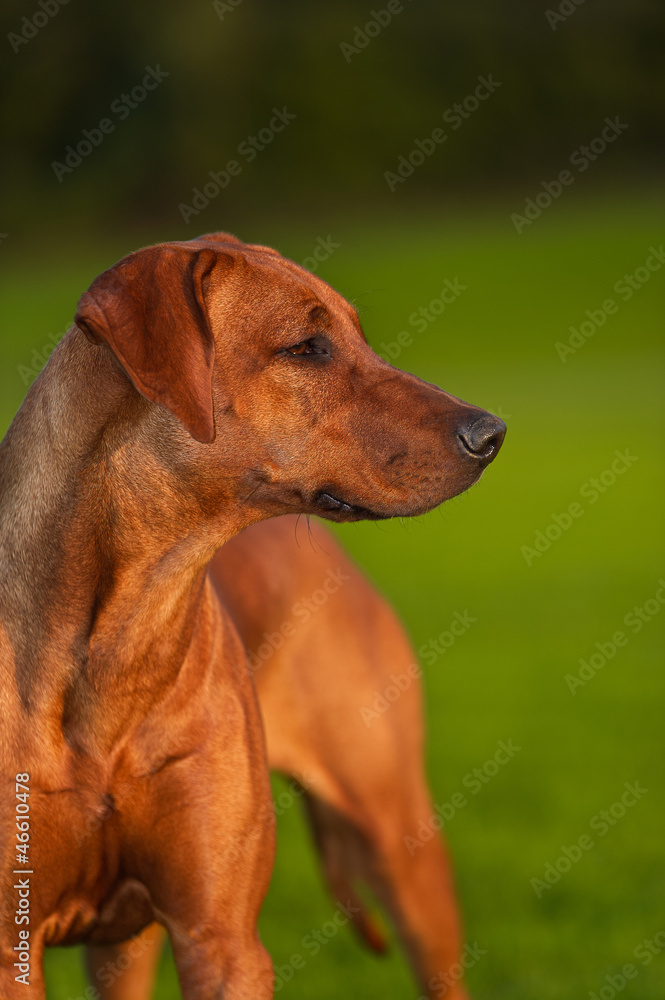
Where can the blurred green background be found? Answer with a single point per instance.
(321, 182)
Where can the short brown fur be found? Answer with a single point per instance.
(176, 412)
(322, 643)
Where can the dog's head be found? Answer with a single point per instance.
(277, 392)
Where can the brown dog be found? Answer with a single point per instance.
(207, 385)
(322, 645)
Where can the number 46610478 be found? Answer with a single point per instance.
(22, 812)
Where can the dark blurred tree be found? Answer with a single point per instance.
(231, 62)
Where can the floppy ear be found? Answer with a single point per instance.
(150, 310)
(216, 238)
(234, 242)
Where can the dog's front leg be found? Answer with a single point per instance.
(118, 971)
(117, 975)
(22, 974)
(200, 836)
(224, 967)
(212, 930)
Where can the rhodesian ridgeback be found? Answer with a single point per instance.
(206, 385)
(340, 694)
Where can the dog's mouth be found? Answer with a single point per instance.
(334, 509)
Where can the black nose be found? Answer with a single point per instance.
(483, 438)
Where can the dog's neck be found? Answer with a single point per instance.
(102, 550)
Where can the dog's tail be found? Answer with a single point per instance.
(344, 858)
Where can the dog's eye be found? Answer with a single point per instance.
(304, 347)
(311, 346)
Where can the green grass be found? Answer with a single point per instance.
(503, 679)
